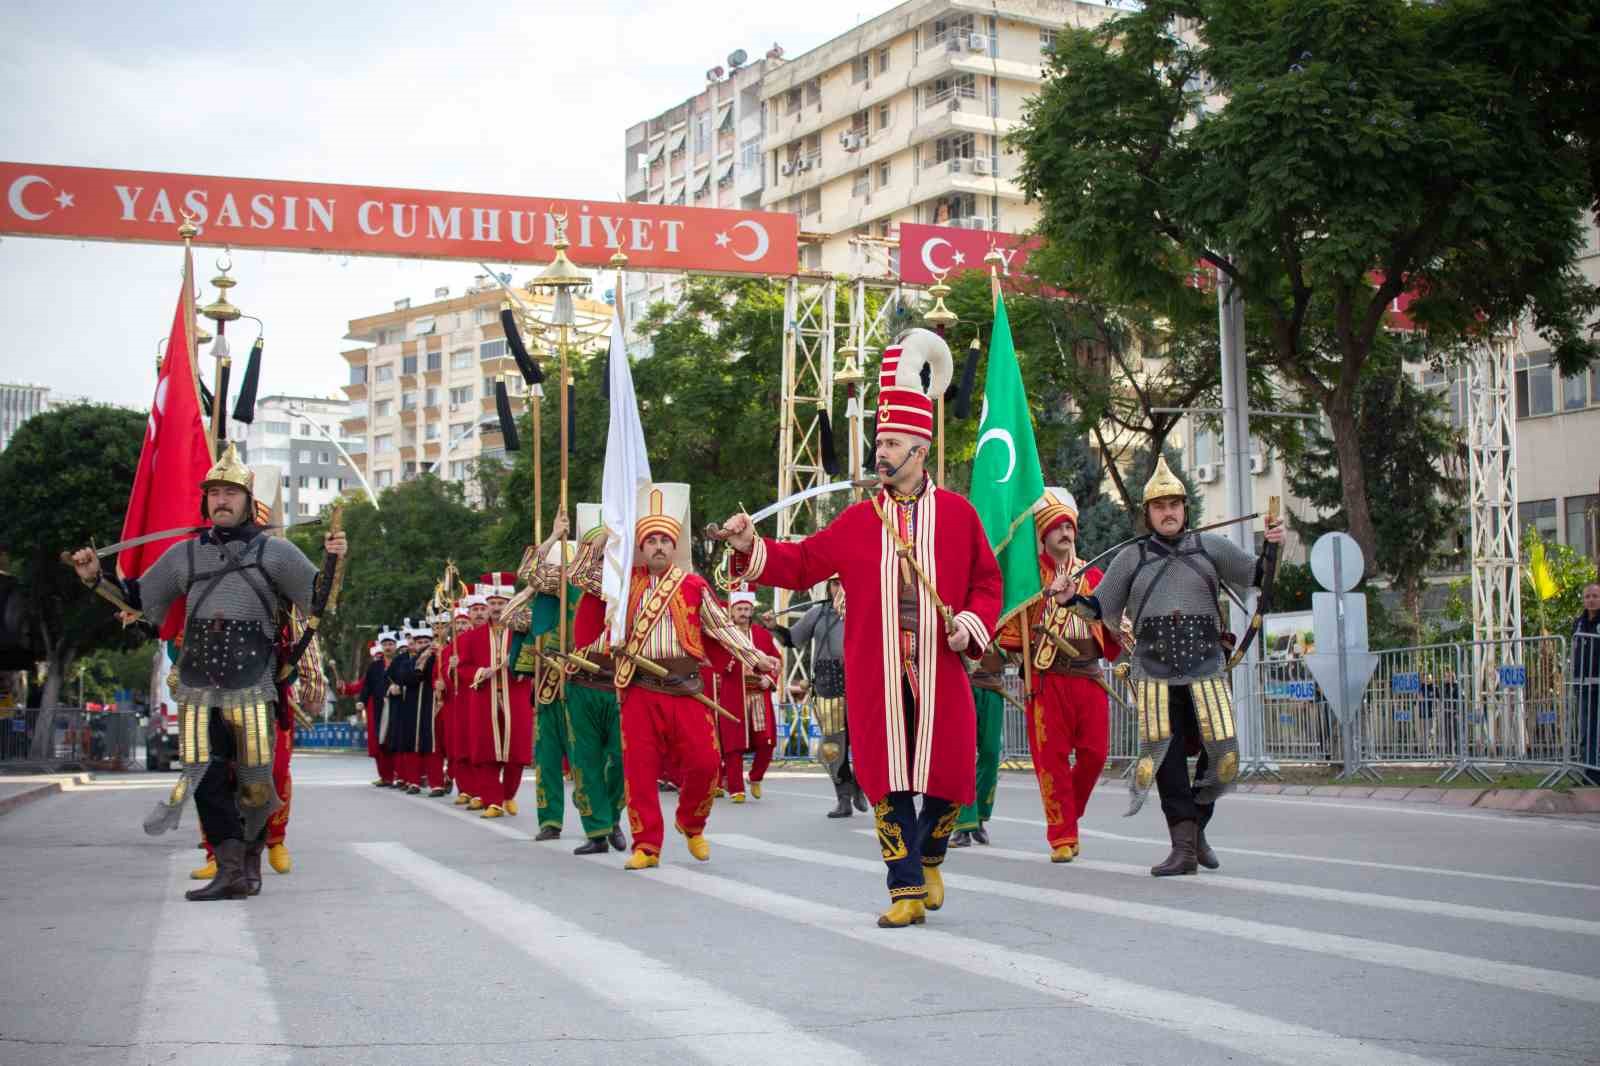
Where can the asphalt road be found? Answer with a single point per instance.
(411, 932)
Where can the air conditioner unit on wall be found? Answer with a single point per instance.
(977, 42)
(1205, 473)
(850, 141)
(1258, 463)
(980, 165)
(787, 169)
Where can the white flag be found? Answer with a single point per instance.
(627, 474)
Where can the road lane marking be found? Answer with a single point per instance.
(1506, 975)
(700, 1018)
(1209, 1021)
(206, 995)
(1431, 908)
(1432, 871)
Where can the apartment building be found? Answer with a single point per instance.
(421, 392)
(303, 437)
(18, 403)
(705, 152)
(903, 118)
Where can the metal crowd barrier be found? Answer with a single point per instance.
(1583, 701)
(1415, 706)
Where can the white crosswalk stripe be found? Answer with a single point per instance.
(1195, 1017)
(1330, 860)
(1228, 882)
(1505, 975)
(206, 987)
(704, 1021)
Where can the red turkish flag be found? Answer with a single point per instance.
(175, 458)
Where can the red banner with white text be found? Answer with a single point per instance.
(144, 206)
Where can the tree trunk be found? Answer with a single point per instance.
(1352, 476)
(57, 663)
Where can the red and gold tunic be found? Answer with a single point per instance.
(935, 750)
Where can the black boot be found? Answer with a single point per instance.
(841, 807)
(252, 866)
(961, 838)
(860, 798)
(1181, 860)
(1203, 853)
(548, 832)
(980, 835)
(617, 841)
(592, 846)
(229, 882)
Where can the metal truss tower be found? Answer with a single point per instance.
(1492, 480)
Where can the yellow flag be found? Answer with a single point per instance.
(1539, 575)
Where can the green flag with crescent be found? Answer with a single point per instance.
(1006, 478)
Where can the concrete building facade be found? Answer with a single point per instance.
(288, 433)
(18, 403)
(422, 390)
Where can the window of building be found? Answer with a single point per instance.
(382, 409)
(324, 458)
(461, 360)
(408, 437)
(306, 430)
(384, 479)
(885, 117)
(408, 401)
(305, 455)
(275, 427)
(383, 443)
(461, 394)
(358, 375)
(862, 183)
(434, 360)
(305, 483)
(860, 123)
(883, 61)
(1206, 450)
(860, 69)
(953, 87)
(385, 373)
(792, 102)
(1541, 514)
(485, 314)
(459, 430)
(274, 455)
(432, 431)
(1583, 516)
(1452, 384)
(1047, 42)
(947, 209)
(458, 470)
(702, 134)
(338, 484)
(1536, 386)
(883, 174)
(431, 397)
(950, 27)
(959, 146)
(813, 205)
(814, 92)
(304, 509)
(408, 364)
(491, 349)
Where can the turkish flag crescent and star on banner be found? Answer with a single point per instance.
(175, 457)
(926, 249)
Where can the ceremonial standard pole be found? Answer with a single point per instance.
(562, 279)
(942, 318)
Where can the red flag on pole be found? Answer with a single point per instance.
(177, 452)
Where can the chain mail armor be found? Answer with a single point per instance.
(823, 628)
(1169, 588)
(235, 589)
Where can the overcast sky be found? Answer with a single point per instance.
(468, 96)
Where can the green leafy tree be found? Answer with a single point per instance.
(106, 670)
(1366, 148)
(1408, 450)
(397, 555)
(65, 479)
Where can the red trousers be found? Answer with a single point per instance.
(672, 737)
(1070, 718)
(386, 768)
(491, 782)
(415, 767)
(733, 764)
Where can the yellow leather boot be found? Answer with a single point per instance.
(933, 880)
(901, 913)
(641, 860)
(1064, 853)
(511, 807)
(278, 858)
(204, 873)
(494, 810)
(755, 789)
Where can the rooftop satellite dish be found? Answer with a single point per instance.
(737, 58)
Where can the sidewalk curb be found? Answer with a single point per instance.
(38, 792)
(1515, 800)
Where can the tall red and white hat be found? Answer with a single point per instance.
(1054, 507)
(501, 584)
(903, 405)
(743, 593)
(664, 508)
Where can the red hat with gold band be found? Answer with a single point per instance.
(1054, 507)
(664, 509)
(904, 406)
